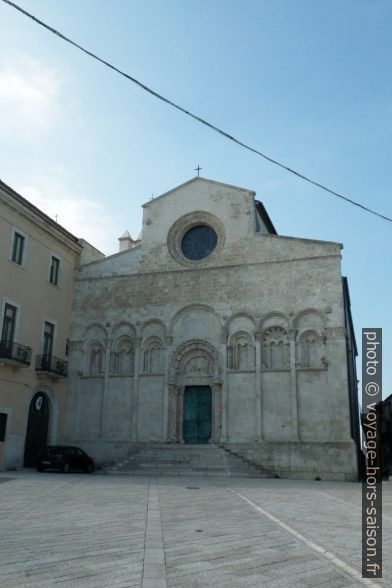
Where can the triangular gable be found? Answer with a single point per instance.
(260, 211)
(198, 179)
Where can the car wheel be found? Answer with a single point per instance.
(89, 468)
(65, 468)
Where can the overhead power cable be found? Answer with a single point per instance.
(194, 116)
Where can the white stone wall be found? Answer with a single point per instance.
(260, 321)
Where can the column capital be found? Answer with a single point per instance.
(292, 334)
(223, 336)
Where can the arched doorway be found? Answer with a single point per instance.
(37, 428)
(195, 394)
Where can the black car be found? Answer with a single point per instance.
(64, 458)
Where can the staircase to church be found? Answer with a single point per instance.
(185, 460)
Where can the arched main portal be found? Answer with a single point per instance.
(195, 393)
(37, 428)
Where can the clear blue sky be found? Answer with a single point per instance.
(308, 82)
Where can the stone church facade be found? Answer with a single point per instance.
(211, 328)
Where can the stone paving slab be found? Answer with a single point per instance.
(168, 532)
(73, 530)
(328, 513)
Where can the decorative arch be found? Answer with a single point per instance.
(276, 353)
(272, 319)
(189, 307)
(123, 328)
(196, 357)
(240, 315)
(309, 318)
(122, 356)
(241, 351)
(94, 352)
(194, 363)
(95, 330)
(154, 326)
(308, 350)
(153, 355)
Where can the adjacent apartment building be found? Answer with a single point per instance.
(37, 261)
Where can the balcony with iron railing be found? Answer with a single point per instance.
(15, 354)
(51, 365)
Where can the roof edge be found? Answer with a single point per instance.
(14, 194)
(265, 217)
(196, 179)
(108, 257)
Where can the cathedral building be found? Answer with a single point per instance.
(212, 329)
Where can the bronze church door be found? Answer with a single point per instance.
(197, 414)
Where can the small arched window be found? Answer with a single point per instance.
(276, 348)
(96, 358)
(153, 356)
(241, 352)
(309, 349)
(123, 357)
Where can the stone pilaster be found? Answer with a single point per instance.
(216, 421)
(172, 414)
(224, 393)
(294, 390)
(105, 406)
(258, 391)
(166, 432)
(135, 398)
(179, 414)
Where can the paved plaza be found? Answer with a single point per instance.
(110, 531)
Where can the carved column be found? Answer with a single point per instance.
(105, 408)
(259, 400)
(224, 393)
(135, 396)
(172, 414)
(180, 414)
(294, 391)
(167, 407)
(217, 413)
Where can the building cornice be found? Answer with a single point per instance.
(32, 214)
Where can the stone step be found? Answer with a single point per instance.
(184, 460)
(218, 473)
